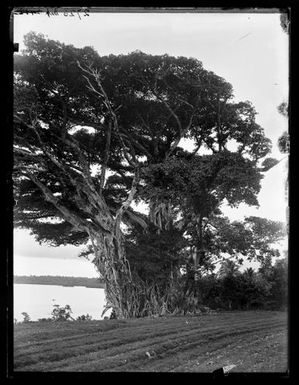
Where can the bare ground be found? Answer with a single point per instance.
(253, 341)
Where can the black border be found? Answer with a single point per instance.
(6, 281)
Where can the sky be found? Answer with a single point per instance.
(249, 50)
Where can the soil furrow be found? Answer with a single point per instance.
(137, 352)
(170, 342)
(100, 345)
(117, 336)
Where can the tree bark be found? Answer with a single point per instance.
(199, 250)
(111, 262)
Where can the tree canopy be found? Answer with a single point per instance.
(157, 100)
(93, 134)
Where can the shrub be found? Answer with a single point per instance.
(83, 317)
(61, 313)
(45, 319)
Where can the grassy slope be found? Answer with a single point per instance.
(253, 341)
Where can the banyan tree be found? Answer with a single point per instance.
(93, 135)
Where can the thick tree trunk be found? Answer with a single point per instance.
(113, 266)
(126, 293)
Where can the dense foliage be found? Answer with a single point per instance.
(230, 289)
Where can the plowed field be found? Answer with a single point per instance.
(253, 341)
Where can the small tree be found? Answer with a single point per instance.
(26, 317)
(61, 313)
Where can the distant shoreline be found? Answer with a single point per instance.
(60, 281)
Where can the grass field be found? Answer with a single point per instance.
(254, 341)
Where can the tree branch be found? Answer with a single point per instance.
(130, 198)
(182, 134)
(135, 143)
(106, 157)
(26, 153)
(170, 110)
(78, 223)
(194, 152)
(88, 187)
(94, 73)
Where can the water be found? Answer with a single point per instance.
(38, 300)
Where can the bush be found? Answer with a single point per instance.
(61, 313)
(45, 319)
(83, 317)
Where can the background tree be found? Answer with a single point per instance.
(284, 139)
(273, 280)
(284, 147)
(279, 285)
(94, 133)
(26, 317)
(61, 313)
(285, 22)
